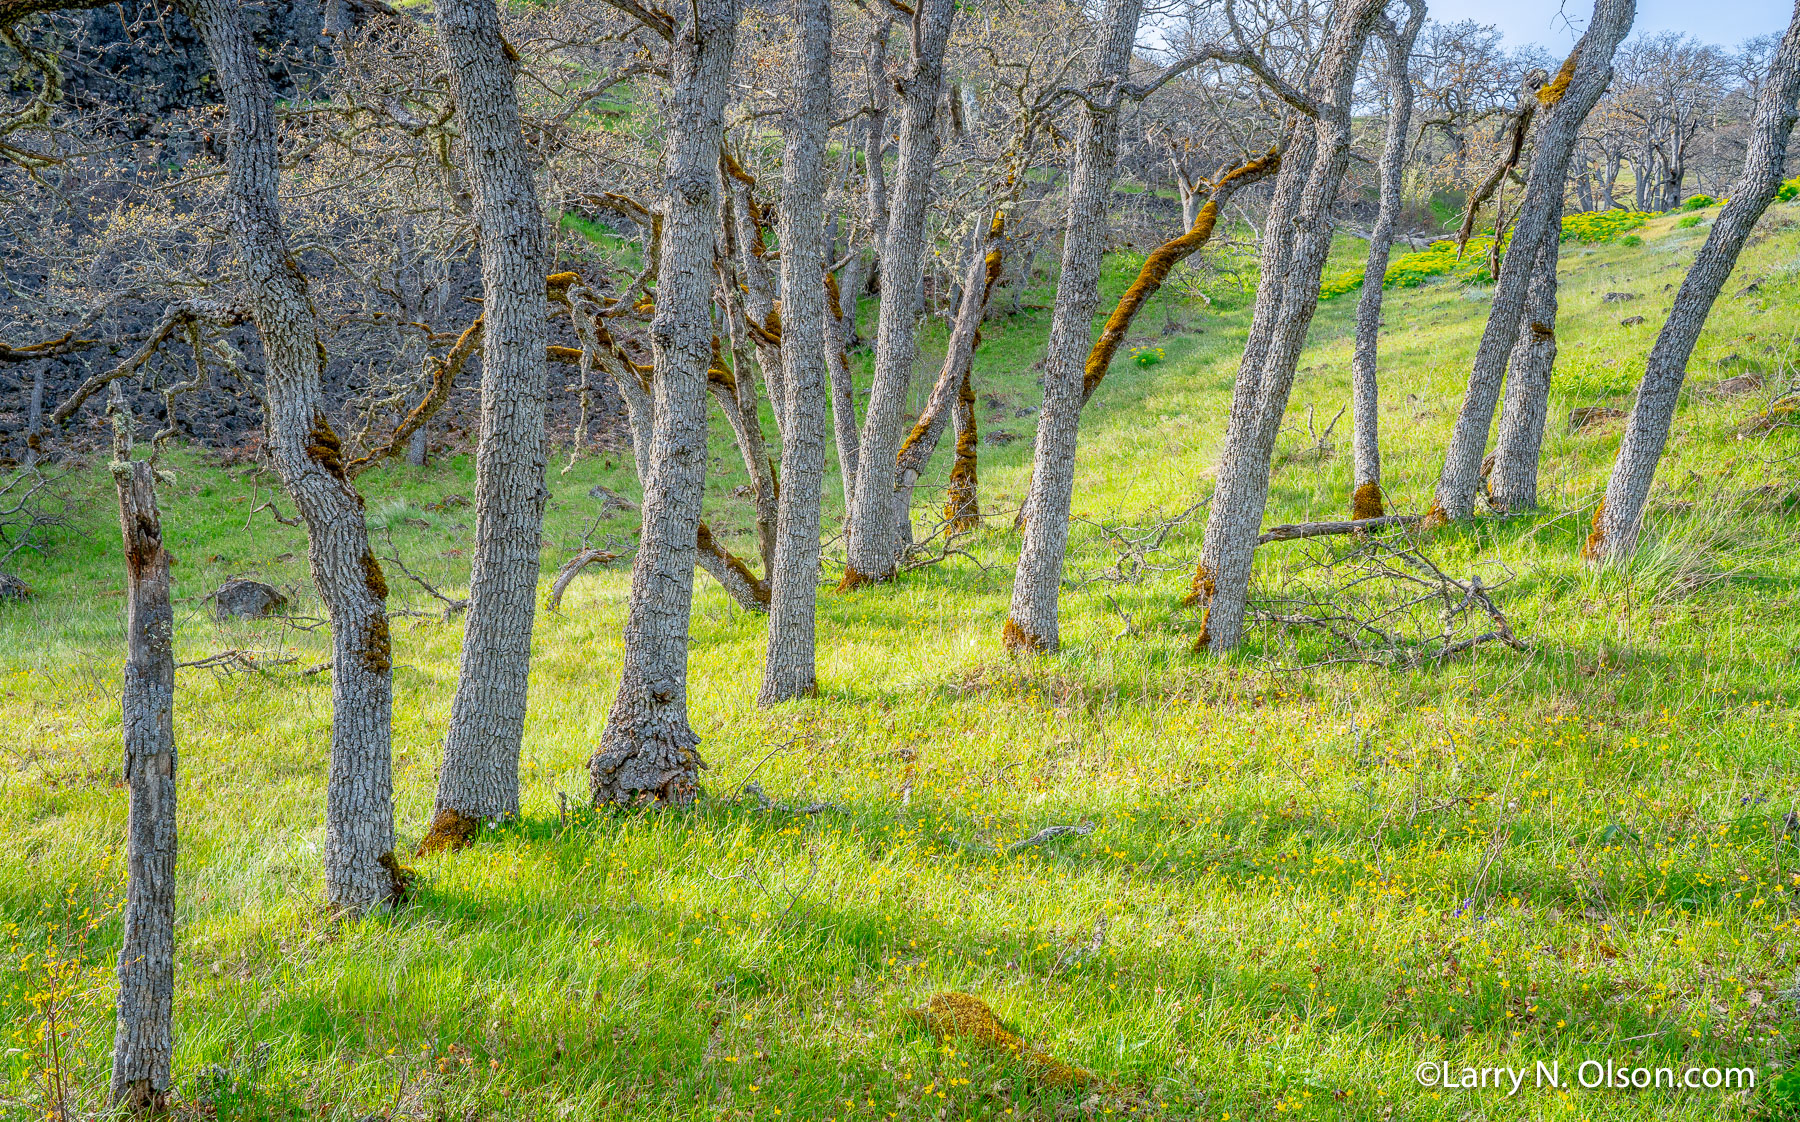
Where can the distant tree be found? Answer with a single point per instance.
(1668, 86)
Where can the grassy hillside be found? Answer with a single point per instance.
(1298, 885)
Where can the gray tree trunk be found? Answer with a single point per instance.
(1512, 484)
(648, 752)
(1365, 394)
(1617, 522)
(480, 775)
(872, 530)
(34, 417)
(1031, 623)
(1568, 99)
(789, 671)
(145, 1040)
(418, 447)
(360, 869)
(1296, 238)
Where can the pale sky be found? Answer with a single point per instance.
(1724, 22)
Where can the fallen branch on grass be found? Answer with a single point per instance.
(1295, 530)
(1384, 604)
(234, 661)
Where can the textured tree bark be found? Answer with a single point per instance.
(1512, 485)
(145, 1039)
(1616, 523)
(955, 377)
(879, 89)
(418, 448)
(1567, 100)
(360, 870)
(648, 752)
(480, 774)
(1031, 622)
(1296, 240)
(1365, 393)
(872, 529)
(789, 670)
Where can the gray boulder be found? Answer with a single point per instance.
(247, 599)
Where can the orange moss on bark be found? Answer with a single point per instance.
(450, 830)
(1366, 502)
(1590, 549)
(1161, 260)
(854, 579)
(1018, 639)
(1553, 93)
(962, 502)
(706, 543)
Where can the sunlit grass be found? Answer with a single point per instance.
(1298, 885)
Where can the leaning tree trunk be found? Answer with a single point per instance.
(955, 376)
(480, 775)
(1617, 521)
(360, 870)
(1297, 239)
(1568, 100)
(648, 751)
(872, 531)
(962, 499)
(145, 1040)
(1031, 621)
(1365, 394)
(1512, 484)
(789, 671)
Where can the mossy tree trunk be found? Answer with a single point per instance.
(360, 870)
(648, 751)
(1616, 523)
(1296, 241)
(955, 376)
(1512, 484)
(1031, 622)
(871, 530)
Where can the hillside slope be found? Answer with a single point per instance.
(1299, 883)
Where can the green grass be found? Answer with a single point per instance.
(1306, 883)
